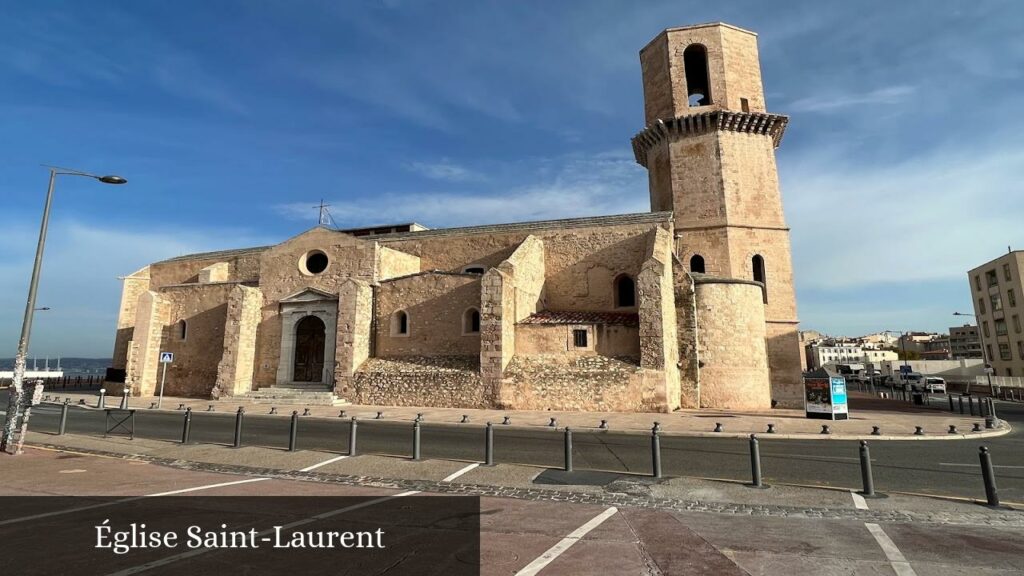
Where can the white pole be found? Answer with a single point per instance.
(163, 377)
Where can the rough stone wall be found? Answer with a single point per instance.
(218, 272)
(354, 342)
(204, 308)
(732, 345)
(555, 341)
(584, 383)
(235, 370)
(784, 362)
(687, 337)
(243, 267)
(750, 180)
(152, 314)
(497, 331)
(526, 267)
(392, 263)
(132, 287)
(447, 381)
(435, 304)
(654, 65)
(659, 347)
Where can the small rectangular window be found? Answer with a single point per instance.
(993, 280)
(981, 305)
(1011, 298)
(984, 329)
(745, 104)
(579, 338)
(1004, 351)
(1016, 324)
(988, 350)
(1020, 349)
(1006, 272)
(997, 302)
(977, 282)
(1000, 327)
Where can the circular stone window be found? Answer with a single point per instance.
(313, 262)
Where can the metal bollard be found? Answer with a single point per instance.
(489, 445)
(771, 429)
(102, 402)
(379, 416)
(81, 401)
(507, 420)
(419, 417)
(152, 405)
(209, 408)
(181, 406)
(977, 427)
(825, 429)
(293, 431)
(952, 429)
(865, 469)
(305, 412)
(655, 453)
(989, 476)
(352, 436)
(465, 419)
(755, 462)
(341, 414)
(273, 410)
(718, 427)
(553, 423)
(416, 440)
(124, 400)
(604, 425)
(186, 428)
(918, 431)
(568, 449)
(63, 418)
(238, 427)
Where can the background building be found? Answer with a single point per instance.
(996, 289)
(964, 342)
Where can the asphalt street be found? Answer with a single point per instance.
(947, 467)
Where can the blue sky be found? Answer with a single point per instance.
(901, 168)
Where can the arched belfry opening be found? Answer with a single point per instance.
(757, 265)
(310, 337)
(697, 264)
(695, 65)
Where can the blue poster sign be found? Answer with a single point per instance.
(839, 404)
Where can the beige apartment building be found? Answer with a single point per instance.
(996, 291)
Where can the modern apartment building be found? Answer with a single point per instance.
(997, 290)
(964, 342)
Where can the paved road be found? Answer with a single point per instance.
(518, 536)
(929, 467)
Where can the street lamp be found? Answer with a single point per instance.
(30, 307)
(984, 353)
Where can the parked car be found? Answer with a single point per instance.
(935, 385)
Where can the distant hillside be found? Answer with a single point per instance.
(71, 366)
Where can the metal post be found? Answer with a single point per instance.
(970, 404)
(17, 383)
(238, 427)
(989, 476)
(293, 431)
(950, 396)
(124, 399)
(102, 402)
(755, 462)
(352, 436)
(655, 453)
(63, 418)
(961, 402)
(186, 428)
(489, 445)
(865, 469)
(416, 440)
(568, 449)
(163, 377)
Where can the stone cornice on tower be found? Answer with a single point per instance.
(773, 125)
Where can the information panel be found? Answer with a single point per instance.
(825, 397)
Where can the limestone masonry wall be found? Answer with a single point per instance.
(418, 381)
(133, 286)
(235, 370)
(435, 304)
(203, 308)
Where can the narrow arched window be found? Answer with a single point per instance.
(697, 264)
(625, 292)
(400, 323)
(473, 270)
(695, 65)
(471, 321)
(757, 264)
(181, 329)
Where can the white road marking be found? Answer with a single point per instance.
(458, 473)
(892, 553)
(858, 501)
(123, 500)
(311, 519)
(564, 544)
(324, 463)
(976, 465)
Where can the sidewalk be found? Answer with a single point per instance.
(896, 420)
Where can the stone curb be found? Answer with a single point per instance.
(1003, 429)
(1007, 517)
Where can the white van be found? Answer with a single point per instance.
(935, 385)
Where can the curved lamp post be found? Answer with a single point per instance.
(17, 384)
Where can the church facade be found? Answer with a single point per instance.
(690, 305)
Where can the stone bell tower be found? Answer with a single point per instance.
(709, 148)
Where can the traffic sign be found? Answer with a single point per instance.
(905, 369)
(166, 357)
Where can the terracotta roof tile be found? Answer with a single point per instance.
(574, 317)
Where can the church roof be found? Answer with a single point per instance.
(588, 222)
(575, 317)
(217, 255)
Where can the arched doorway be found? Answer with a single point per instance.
(310, 334)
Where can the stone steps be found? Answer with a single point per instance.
(313, 395)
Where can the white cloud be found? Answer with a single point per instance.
(827, 103)
(79, 280)
(564, 187)
(928, 217)
(444, 170)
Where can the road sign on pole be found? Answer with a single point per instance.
(165, 359)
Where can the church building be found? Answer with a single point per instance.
(690, 305)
